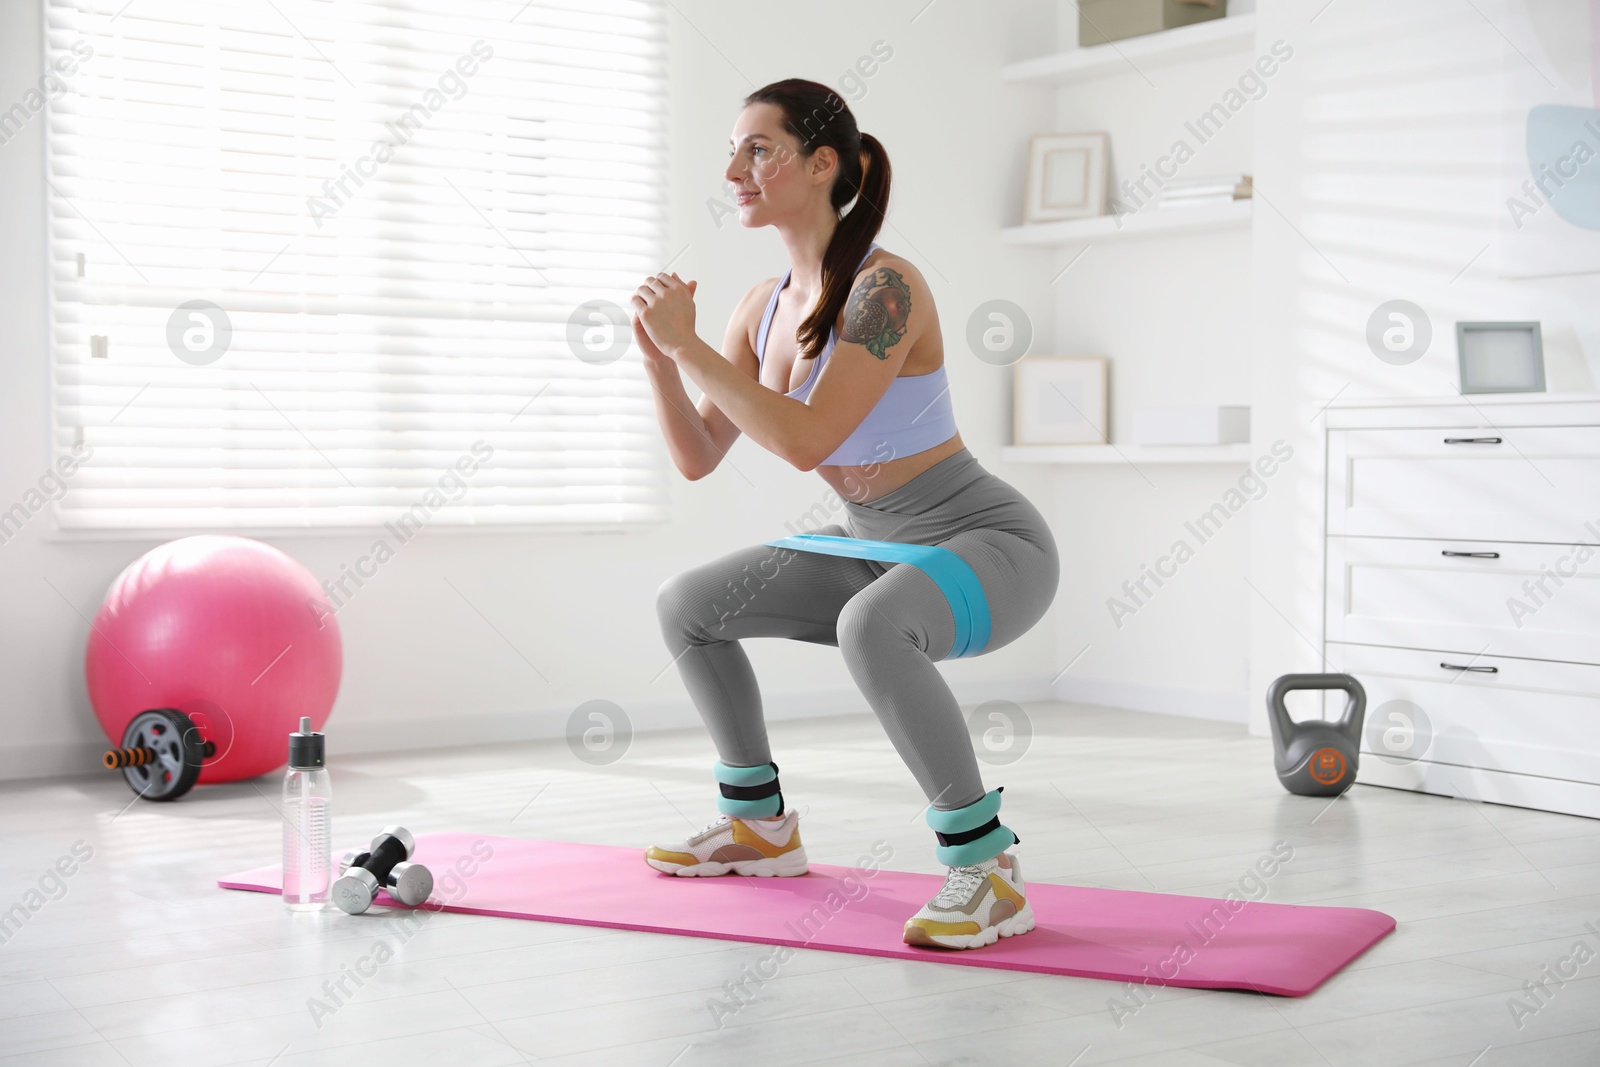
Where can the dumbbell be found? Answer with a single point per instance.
(383, 866)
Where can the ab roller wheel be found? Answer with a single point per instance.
(161, 754)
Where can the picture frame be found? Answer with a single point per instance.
(1500, 357)
(1068, 174)
(1060, 400)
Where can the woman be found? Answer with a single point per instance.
(838, 367)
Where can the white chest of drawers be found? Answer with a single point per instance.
(1463, 577)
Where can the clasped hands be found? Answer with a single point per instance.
(663, 316)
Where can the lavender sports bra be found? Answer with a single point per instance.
(913, 415)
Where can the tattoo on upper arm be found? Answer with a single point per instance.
(876, 313)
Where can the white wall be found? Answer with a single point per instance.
(1384, 146)
(421, 667)
(1172, 313)
(1382, 152)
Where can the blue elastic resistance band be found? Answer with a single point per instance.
(952, 574)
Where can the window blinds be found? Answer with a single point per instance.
(322, 263)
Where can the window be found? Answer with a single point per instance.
(334, 263)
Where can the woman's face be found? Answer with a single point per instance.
(770, 178)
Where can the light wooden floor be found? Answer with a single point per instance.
(144, 961)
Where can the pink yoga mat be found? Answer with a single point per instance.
(1159, 938)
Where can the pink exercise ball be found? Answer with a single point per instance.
(230, 631)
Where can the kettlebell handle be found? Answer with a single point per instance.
(1355, 707)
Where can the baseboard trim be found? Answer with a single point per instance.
(361, 737)
(1190, 703)
(62, 759)
(1482, 783)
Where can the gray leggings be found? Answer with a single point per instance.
(890, 621)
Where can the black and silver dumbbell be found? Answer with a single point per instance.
(383, 866)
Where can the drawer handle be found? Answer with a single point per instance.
(1475, 670)
(1473, 440)
(1470, 555)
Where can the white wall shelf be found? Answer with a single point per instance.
(1134, 54)
(1152, 221)
(1135, 454)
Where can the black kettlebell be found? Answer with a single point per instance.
(1316, 758)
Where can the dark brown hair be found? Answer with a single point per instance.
(816, 115)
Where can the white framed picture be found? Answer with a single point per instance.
(1500, 357)
(1060, 400)
(1066, 176)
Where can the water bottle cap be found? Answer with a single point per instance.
(307, 748)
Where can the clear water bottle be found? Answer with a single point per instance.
(307, 800)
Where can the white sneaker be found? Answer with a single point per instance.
(731, 845)
(977, 906)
